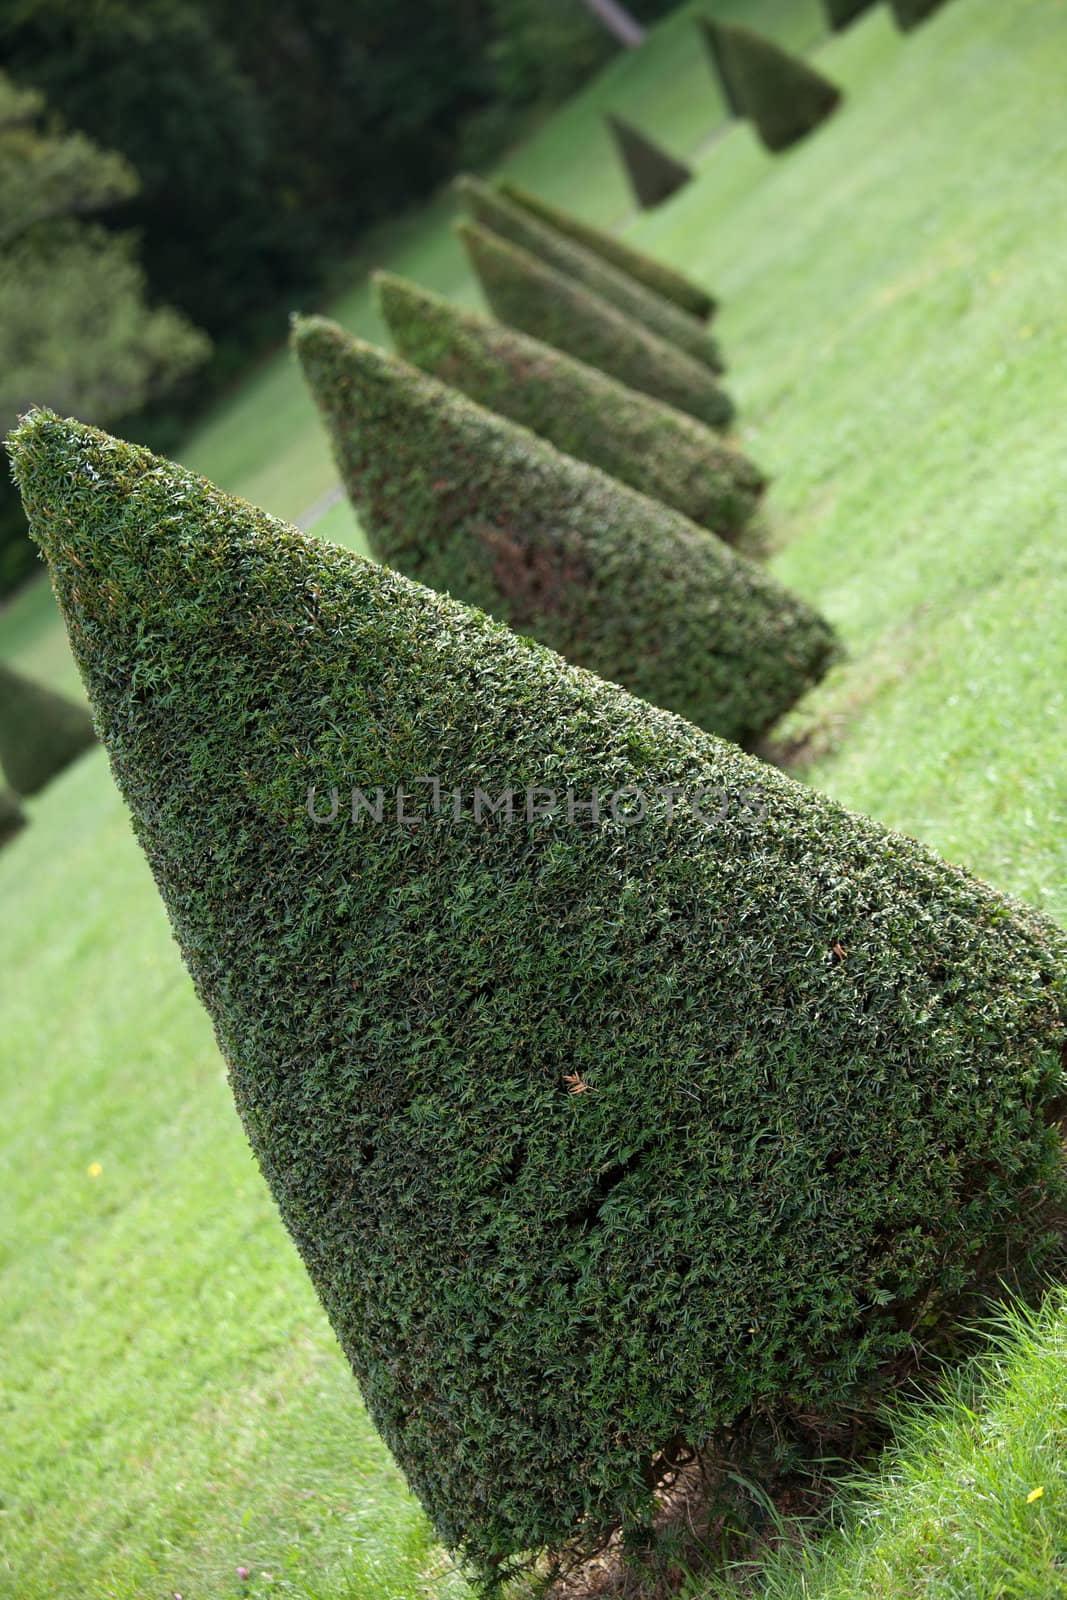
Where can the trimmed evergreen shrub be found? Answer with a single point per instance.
(12, 817)
(548, 305)
(648, 270)
(780, 94)
(909, 13)
(654, 174)
(592, 1135)
(720, 61)
(583, 412)
(490, 210)
(841, 12)
(472, 505)
(41, 732)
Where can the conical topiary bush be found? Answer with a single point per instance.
(583, 412)
(41, 732)
(654, 174)
(781, 95)
(648, 270)
(550, 306)
(476, 507)
(840, 13)
(490, 210)
(11, 815)
(909, 13)
(592, 1134)
(720, 61)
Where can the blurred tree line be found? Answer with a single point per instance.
(247, 144)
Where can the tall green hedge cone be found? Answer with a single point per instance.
(490, 210)
(645, 444)
(840, 13)
(780, 94)
(715, 45)
(648, 270)
(41, 732)
(593, 1135)
(474, 506)
(654, 174)
(909, 13)
(548, 305)
(11, 815)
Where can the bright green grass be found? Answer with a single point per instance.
(970, 1503)
(173, 1405)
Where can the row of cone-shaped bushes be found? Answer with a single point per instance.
(594, 1136)
(659, 1092)
(783, 96)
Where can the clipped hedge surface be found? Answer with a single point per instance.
(41, 732)
(645, 444)
(490, 210)
(11, 815)
(909, 13)
(588, 1136)
(548, 305)
(840, 13)
(782, 95)
(474, 506)
(649, 270)
(653, 172)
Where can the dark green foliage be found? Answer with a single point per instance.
(841, 12)
(76, 329)
(157, 81)
(270, 133)
(654, 174)
(648, 270)
(720, 60)
(474, 506)
(548, 305)
(812, 1062)
(11, 815)
(583, 412)
(781, 95)
(909, 13)
(491, 210)
(41, 732)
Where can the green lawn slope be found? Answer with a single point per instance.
(174, 1406)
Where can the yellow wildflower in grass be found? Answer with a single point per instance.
(94, 1169)
(1035, 1494)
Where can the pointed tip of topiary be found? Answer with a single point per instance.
(390, 290)
(782, 95)
(654, 174)
(318, 343)
(44, 449)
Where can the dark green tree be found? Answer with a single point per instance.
(645, 444)
(156, 81)
(839, 13)
(76, 329)
(909, 13)
(781, 95)
(41, 732)
(470, 504)
(489, 208)
(525, 293)
(595, 1135)
(648, 270)
(653, 172)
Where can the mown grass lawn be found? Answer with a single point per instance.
(174, 1407)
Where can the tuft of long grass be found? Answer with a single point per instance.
(968, 1503)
